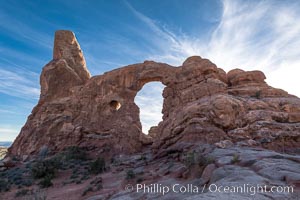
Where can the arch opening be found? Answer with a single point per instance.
(150, 101)
(115, 105)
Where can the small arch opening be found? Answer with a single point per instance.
(150, 101)
(115, 105)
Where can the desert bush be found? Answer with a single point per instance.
(75, 153)
(235, 159)
(143, 157)
(205, 160)
(192, 158)
(14, 175)
(22, 192)
(43, 168)
(258, 95)
(74, 176)
(46, 182)
(97, 166)
(84, 177)
(38, 195)
(130, 174)
(139, 180)
(4, 185)
(27, 182)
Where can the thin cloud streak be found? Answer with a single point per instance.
(169, 45)
(8, 130)
(5, 111)
(8, 133)
(24, 31)
(15, 84)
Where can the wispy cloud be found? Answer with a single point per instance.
(7, 111)
(8, 130)
(14, 57)
(8, 133)
(97, 66)
(255, 35)
(251, 35)
(24, 31)
(17, 84)
(262, 35)
(172, 47)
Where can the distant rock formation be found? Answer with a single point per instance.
(202, 104)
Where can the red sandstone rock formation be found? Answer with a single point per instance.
(202, 104)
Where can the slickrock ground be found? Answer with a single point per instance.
(218, 128)
(201, 166)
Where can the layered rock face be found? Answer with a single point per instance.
(210, 106)
(202, 104)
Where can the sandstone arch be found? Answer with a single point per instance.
(76, 109)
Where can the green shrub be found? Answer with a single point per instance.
(27, 182)
(38, 195)
(192, 158)
(43, 168)
(85, 177)
(46, 182)
(235, 159)
(4, 185)
(143, 158)
(98, 166)
(258, 94)
(23, 192)
(205, 160)
(139, 180)
(130, 174)
(74, 176)
(75, 153)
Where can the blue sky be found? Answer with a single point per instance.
(262, 35)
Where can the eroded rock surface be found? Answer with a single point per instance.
(203, 167)
(202, 104)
